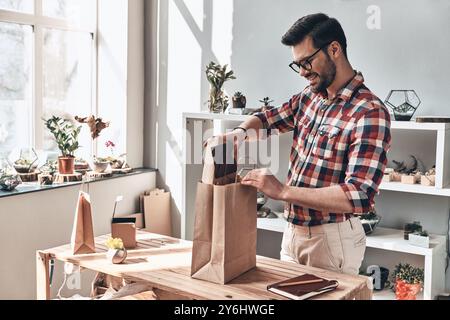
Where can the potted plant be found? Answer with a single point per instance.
(369, 221)
(411, 228)
(27, 163)
(102, 163)
(47, 171)
(96, 126)
(217, 75)
(266, 102)
(81, 165)
(408, 281)
(116, 251)
(66, 136)
(9, 179)
(420, 239)
(118, 163)
(239, 100)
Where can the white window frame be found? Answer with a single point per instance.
(37, 21)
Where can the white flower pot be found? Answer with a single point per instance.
(419, 241)
(116, 256)
(100, 167)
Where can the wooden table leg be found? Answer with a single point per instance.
(42, 276)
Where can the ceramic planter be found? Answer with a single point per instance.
(100, 166)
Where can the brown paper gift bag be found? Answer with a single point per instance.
(224, 245)
(82, 241)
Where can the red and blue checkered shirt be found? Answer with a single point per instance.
(340, 142)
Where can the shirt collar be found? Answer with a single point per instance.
(346, 92)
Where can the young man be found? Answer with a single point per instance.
(338, 156)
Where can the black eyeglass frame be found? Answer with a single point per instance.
(307, 64)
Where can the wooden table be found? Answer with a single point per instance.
(164, 263)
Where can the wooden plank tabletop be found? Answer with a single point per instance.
(164, 263)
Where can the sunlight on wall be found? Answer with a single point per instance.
(195, 8)
(222, 30)
(184, 70)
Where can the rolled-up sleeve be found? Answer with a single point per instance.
(281, 118)
(367, 158)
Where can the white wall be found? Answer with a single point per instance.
(410, 51)
(43, 220)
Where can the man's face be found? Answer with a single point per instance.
(323, 69)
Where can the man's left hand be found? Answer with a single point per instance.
(265, 181)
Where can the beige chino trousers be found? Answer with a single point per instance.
(337, 247)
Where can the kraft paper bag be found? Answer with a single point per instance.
(224, 245)
(82, 241)
(219, 165)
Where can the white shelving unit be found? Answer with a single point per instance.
(415, 188)
(382, 238)
(392, 240)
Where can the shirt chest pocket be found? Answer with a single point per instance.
(325, 142)
(304, 128)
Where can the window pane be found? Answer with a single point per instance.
(76, 11)
(15, 86)
(25, 6)
(67, 80)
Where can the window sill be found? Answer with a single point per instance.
(30, 187)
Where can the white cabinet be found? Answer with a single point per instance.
(407, 138)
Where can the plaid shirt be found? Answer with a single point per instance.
(340, 142)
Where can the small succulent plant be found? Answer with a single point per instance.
(266, 101)
(239, 100)
(408, 273)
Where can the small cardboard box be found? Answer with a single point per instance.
(428, 180)
(156, 208)
(125, 229)
(139, 219)
(396, 177)
(410, 179)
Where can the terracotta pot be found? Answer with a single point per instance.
(66, 165)
(406, 291)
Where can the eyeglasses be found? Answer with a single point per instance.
(297, 66)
